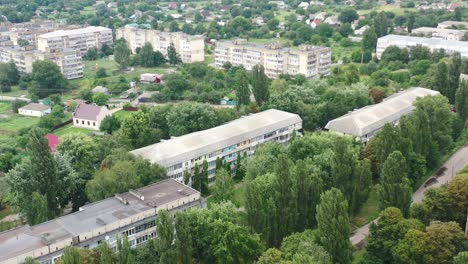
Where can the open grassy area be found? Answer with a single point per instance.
(388, 8)
(16, 91)
(69, 129)
(15, 122)
(5, 107)
(368, 212)
(282, 41)
(358, 255)
(122, 114)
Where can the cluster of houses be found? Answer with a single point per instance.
(440, 6)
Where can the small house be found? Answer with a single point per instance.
(146, 97)
(53, 142)
(89, 116)
(150, 78)
(101, 89)
(34, 109)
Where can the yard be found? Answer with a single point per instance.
(121, 115)
(388, 8)
(69, 129)
(11, 122)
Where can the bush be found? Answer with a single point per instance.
(16, 104)
(48, 122)
(101, 73)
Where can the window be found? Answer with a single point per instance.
(88, 123)
(82, 122)
(94, 124)
(77, 121)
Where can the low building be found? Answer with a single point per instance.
(453, 24)
(89, 116)
(132, 214)
(53, 142)
(239, 137)
(147, 96)
(34, 109)
(190, 48)
(101, 89)
(150, 78)
(407, 42)
(442, 33)
(311, 61)
(364, 123)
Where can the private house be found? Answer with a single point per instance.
(366, 122)
(89, 116)
(34, 109)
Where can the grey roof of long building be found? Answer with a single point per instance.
(200, 143)
(455, 44)
(373, 117)
(27, 238)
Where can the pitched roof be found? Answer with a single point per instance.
(35, 107)
(87, 111)
(373, 117)
(53, 141)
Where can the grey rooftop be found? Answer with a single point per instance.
(93, 216)
(203, 142)
(373, 117)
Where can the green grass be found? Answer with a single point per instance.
(368, 212)
(17, 122)
(5, 108)
(69, 129)
(122, 114)
(6, 212)
(282, 41)
(239, 195)
(88, 10)
(388, 8)
(16, 91)
(358, 255)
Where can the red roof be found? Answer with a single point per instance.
(53, 141)
(316, 22)
(173, 5)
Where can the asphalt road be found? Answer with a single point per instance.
(454, 164)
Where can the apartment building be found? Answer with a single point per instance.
(450, 46)
(239, 137)
(132, 214)
(31, 30)
(190, 48)
(80, 39)
(68, 60)
(441, 33)
(311, 61)
(366, 122)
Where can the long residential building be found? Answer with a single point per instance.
(81, 39)
(452, 24)
(68, 60)
(132, 214)
(239, 137)
(442, 33)
(190, 48)
(364, 123)
(434, 44)
(311, 61)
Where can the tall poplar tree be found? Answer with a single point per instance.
(395, 189)
(165, 230)
(441, 82)
(308, 186)
(454, 77)
(461, 100)
(196, 180)
(204, 179)
(342, 168)
(172, 55)
(183, 240)
(333, 226)
(260, 84)
(242, 88)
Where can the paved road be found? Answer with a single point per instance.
(13, 98)
(454, 164)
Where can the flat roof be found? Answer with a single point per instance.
(200, 143)
(427, 41)
(373, 117)
(63, 33)
(27, 238)
(440, 30)
(265, 46)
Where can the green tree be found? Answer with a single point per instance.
(123, 251)
(369, 40)
(165, 229)
(461, 258)
(100, 98)
(260, 84)
(333, 225)
(204, 178)
(461, 100)
(446, 236)
(172, 55)
(242, 88)
(196, 179)
(415, 247)
(9, 76)
(342, 168)
(440, 82)
(147, 59)
(224, 186)
(122, 54)
(135, 128)
(183, 241)
(381, 24)
(71, 255)
(394, 189)
(309, 186)
(101, 73)
(46, 79)
(174, 26)
(348, 15)
(110, 124)
(105, 253)
(30, 260)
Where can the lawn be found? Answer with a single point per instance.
(122, 114)
(16, 122)
(5, 108)
(368, 212)
(16, 91)
(282, 41)
(69, 129)
(358, 255)
(388, 8)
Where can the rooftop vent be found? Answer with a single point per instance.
(99, 221)
(120, 198)
(137, 194)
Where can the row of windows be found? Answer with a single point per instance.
(83, 122)
(145, 238)
(145, 226)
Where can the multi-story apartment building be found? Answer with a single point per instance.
(80, 39)
(366, 122)
(434, 44)
(30, 30)
(190, 48)
(68, 60)
(311, 61)
(442, 33)
(130, 214)
(239, 137)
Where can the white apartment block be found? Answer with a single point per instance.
(450, 46)
(68, 60)
(311, 61)
(190, 48)
(239, 137)
(132, 214)
(441, 33)
(81, 39)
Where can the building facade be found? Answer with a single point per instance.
(366, 122)
(81, 39)
(311, 61)
(34, 109)
(434, 44)
(239, 137)
(132, 214)
(190, 48)
(442, 33)
(68, 60)
(90, 116)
